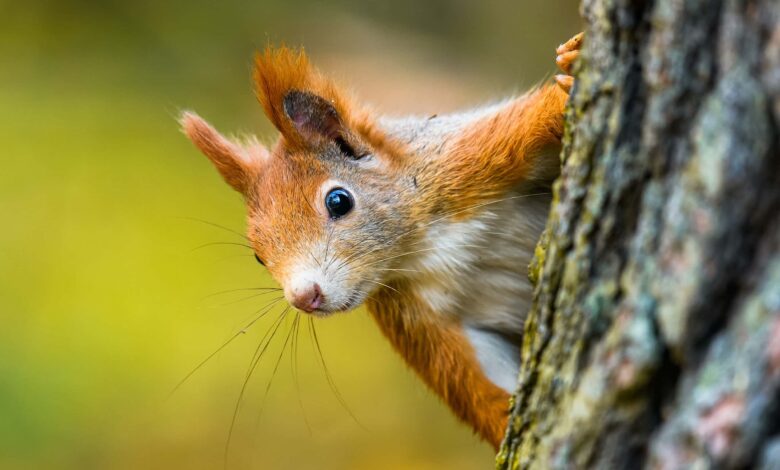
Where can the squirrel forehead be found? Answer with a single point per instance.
(288, 179)
(305, 168)
(288, 190)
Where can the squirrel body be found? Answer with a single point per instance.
(430, 222)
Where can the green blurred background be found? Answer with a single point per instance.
(104, 296)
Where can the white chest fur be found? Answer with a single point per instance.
(477, 271)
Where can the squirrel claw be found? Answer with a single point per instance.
(565, 61)
(565, 82)
(567, 54)
(572, 44)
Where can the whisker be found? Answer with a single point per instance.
(273, 373)
(399, 269)
(194, 219)
(477, 206)
(253, 296)
(328, 377)
(206, 245)
(311, 255)
(252, 255)
(260, 350)
(419, 251)
(327, 248)
(242, 289)
(294, 367)
(359, 255)
(262, 346)
(383, 285)
(361, 292)
(261, 312)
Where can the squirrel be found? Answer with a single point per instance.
(431, 222)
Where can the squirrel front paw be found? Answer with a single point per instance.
(567, 54)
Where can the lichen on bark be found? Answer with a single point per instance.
(654, 336)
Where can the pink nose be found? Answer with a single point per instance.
(308, 299)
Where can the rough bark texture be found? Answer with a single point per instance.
(654, 339)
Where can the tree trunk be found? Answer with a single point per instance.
(654, 338)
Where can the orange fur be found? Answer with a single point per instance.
(436, 349)
(504, 149)
(498, 153)
(281, 70)
(495, 154)
(238, 165)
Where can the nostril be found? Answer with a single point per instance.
(316, 299)
(309, 299)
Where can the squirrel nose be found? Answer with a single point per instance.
(308, 299)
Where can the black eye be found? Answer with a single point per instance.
(339, 202)
(259, 260)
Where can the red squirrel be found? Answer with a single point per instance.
(430, 222)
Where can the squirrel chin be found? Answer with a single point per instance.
(351, 304)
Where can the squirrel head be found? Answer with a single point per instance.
(330, 207)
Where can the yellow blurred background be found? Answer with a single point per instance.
(106, 301)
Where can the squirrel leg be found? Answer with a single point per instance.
(437, 349)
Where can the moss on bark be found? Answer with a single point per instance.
(654, 338)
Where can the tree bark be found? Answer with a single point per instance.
(654, 337)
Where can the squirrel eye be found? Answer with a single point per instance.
(259, 260)
(339, 202)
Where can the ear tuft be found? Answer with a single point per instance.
(236, 164)
(305, 106)
(284, 76)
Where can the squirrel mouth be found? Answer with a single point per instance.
(352, 302)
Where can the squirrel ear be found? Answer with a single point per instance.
(312, 115)
(308, 107)
(301, 102)
(237, 164)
